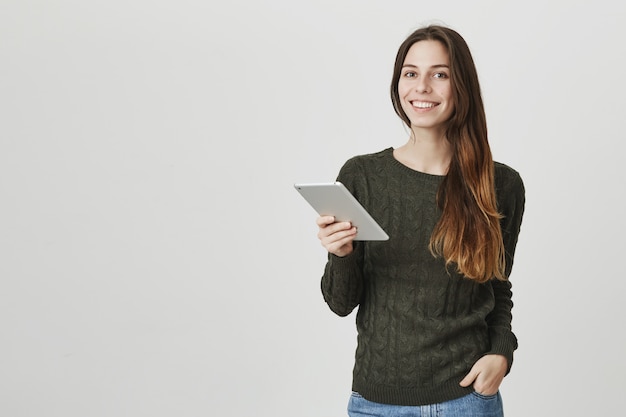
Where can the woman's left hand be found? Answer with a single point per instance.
(487, 374)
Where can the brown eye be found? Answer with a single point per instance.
(440, 75)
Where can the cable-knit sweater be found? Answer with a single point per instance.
(421, 327)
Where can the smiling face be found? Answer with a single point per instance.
(424, 87)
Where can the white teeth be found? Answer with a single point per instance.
(422, 105)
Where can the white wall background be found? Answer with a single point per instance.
(155, 259)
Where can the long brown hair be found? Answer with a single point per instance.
(468, 233)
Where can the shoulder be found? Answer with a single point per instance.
(370, 158)
(366, 162)
(507, 179)
(361, 170)
(511, 196)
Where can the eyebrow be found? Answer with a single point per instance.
(432, 66)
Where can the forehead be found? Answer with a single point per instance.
(427, 53)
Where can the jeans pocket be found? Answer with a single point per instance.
(483, 396)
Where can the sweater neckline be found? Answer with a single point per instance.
(411, 171)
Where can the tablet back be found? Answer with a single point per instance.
(334, 199)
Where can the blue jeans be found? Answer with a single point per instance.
(472, 405)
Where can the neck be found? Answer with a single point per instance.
(426, 151)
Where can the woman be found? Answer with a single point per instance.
(434, 316)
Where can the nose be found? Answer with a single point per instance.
(422, 85)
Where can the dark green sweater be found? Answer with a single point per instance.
(420, 327)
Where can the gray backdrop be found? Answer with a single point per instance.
(155, 259)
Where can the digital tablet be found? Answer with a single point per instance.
(334, 199)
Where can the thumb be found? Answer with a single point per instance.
(469, 378)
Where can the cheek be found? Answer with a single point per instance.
(451, 105)
(449, 99)
(403, 88)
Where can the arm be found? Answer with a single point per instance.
(488, 372)
(342, 282)
(511, 202)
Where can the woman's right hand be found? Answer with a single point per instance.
(336, 237)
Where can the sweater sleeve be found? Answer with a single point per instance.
(342, 282)
(511, 200)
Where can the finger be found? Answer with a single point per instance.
(331, 229)
(342, 246)
(337, 238)
(487, 383)
(485, 388)
(325, 220)
(469, 378)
